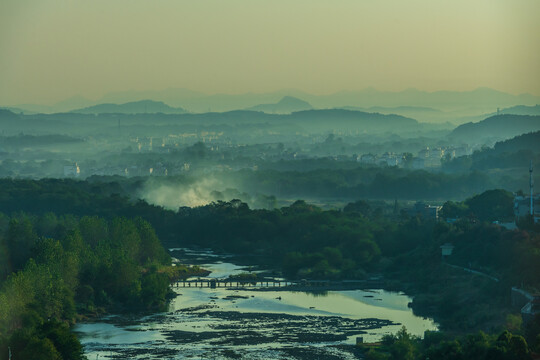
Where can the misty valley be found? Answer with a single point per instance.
(264, 159)
(269, 180)
(272, 230)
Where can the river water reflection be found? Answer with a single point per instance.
(250, 324)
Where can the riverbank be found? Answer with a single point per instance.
(226, 323)
(461, 302)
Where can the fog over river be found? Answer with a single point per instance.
(204, 323)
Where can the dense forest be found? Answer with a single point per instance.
(437, 345)
(57, 269)
(67, 254)
(362, 231)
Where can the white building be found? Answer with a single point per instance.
(434, 157)
(72, 170)
(388, 159)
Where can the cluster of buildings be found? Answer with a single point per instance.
(157, 169)
(425, 211)
(173, 141)
(74, 171)
(426, 157)
(387, 159)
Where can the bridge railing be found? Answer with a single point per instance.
(267, 283)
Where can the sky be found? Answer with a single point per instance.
(51, 50)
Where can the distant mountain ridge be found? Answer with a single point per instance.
(454, 105)
(308, 121)
(498, 127)
(482, 100)
(286, 105)
(134, 107)
(522, 110)
(347, 120)
(392, 110)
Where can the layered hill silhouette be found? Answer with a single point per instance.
(447, 105)
(496, 127)
(135, 107)
(308, 121)
(522, 110)
(6, 114)
(478, 101)
(286, 105)
(529, 141)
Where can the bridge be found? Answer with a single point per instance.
(302, 285)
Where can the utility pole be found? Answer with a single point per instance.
(531, 185)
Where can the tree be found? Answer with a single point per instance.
(475, 346)
(150, 246)
(124, 237)
(492, 205)
(508, 347)
(65, 342)
(404, 346)
(94, 230)
(447, 350)
(154, 288)
(20, 239)
(454, 210)
(360, 207)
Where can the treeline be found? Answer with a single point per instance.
(301, 240)
(362, 182)
(327, 178)
(107, 199)
(310, 242)
(57, 268)
(438, 345)
(316, 181)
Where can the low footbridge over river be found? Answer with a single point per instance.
(273, 284)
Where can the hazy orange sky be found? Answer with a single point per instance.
(54, 49)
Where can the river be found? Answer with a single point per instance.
(204, 323)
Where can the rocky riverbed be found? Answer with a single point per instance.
(205, 323)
